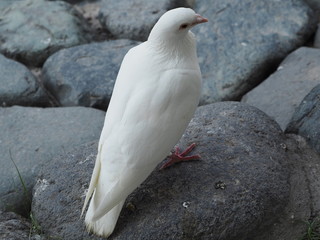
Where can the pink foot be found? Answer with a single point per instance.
(177, 156)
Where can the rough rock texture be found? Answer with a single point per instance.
(77, 1)
(240, 183)
(123, 19)
(31, 30)
(31, 137)
(84, 75)
(304, 204)
(244, 40)
(316, 42)
(6, 3)
(315, 4)
(67, 192)
(15, 227)
(18, 86)
(306, 119)
(90, 11)
(282, 92)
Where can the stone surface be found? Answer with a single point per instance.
(306, 119)
(76, 1)
(90, 11)
(282, 92)
(240, 183)
(30, 138)
(304, 205)
(315, 4)
(15, 227)
(316, 42)
(32, 30)
(245, 40)
(66, 189)
(134, 19)
(84, 75)
(6, 3)
(18, 86)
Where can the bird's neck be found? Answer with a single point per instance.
(177, 50)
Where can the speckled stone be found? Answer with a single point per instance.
(85, 75)
(240, 184)
(30, 138)
(31, 30)
(244, 41)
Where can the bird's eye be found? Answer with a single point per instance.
(184, 26)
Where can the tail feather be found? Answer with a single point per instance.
(93, 182)
(106, 224)
(127, 182)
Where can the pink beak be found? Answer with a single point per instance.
(200, 19)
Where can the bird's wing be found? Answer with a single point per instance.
(115, 110)
(146, 119)
(93, 181)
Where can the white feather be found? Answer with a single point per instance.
(156, 93)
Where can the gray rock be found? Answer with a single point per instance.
(244, 40)
(67, 191)
(306, 119)
(90, 11)
(30, 138)
(6, 3)
(315, 4)
(282, 92)
(32, 30)
(134, 19)
(15, 227)
(77, 1)
(239, 184)
(304, 202)
(316, 42)
(85, 75)
(18, 86)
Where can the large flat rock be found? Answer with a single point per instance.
(281, 93)
(245, 40)
(239, 185)
(30, 138)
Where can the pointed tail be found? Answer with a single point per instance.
(93, 182)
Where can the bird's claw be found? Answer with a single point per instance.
(178, 156)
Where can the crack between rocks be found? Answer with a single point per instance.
(52, 100)
(297, 124)
(29, 92)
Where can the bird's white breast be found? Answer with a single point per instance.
(155, 102)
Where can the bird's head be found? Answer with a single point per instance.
(175, 24)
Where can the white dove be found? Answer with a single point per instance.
(155, 96)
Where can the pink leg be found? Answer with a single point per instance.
(177, 156)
